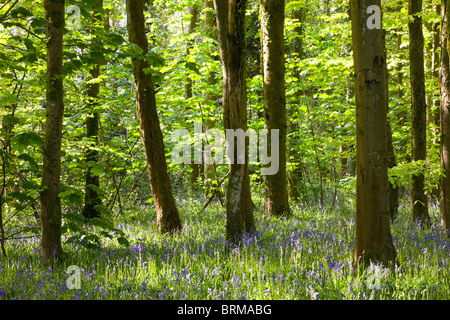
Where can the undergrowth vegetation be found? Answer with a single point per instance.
(306, 257)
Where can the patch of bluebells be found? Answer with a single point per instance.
(285, 259)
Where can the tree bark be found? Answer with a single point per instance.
(399, 63)
(194, 12)
(418, 198)
(231, 25)
(296, 175)
(392, 162)
(51, 247)
(92, 198)
(373, 241)
(436, 64)
(444, 78)
(168, 219)
(209, 169)
(272, 42)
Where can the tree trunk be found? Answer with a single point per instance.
(436, 64)
(392, 162)
(194, 12)
(445, 116)
(296, 175)
(232, 39)
(168, 219)
(209, 169)
(434, 104)
(272, 37)
(399, 64)
(92, 198)
(51, 169)
(373, 241)
(418, 198)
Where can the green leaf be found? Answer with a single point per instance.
(73, 227)
(192, 66)
(155, 59)
(102, 223)
(106, 234)
(66, 193)
(26, 157)
(21, 197)
(8, 119)
(97, 170)
(8, 99)
(123, 241)
(133, 50)
(114, 39)
(20, 12)
(118, 231)
(25, 139)
(74, 217)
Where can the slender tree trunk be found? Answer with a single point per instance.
(444, 79)
(399, 64)
(194, 12)
(373, 241)
(296, 176)
(231, 24)
(168, 219)
(5, 156)
(392, 162)
(209, 168)
(418, 198)
(92, 198)
(51, 169)
(434, 104)
(272, 38)
(436, 64)
(2, 200)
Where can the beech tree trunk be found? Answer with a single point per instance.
(92, 198)
(272, 42)
(399, 64)
(436, 64)
(295, 178)
(168, 219)
(444, 79)
(418, 198)
(194, 12)
(231, 24)
(209, 169)
(51, 169)
(393, 191)
(373, 241)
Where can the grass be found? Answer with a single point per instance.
(306, 257)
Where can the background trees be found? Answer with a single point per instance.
(189, 86)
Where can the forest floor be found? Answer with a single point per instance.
(306, 257)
